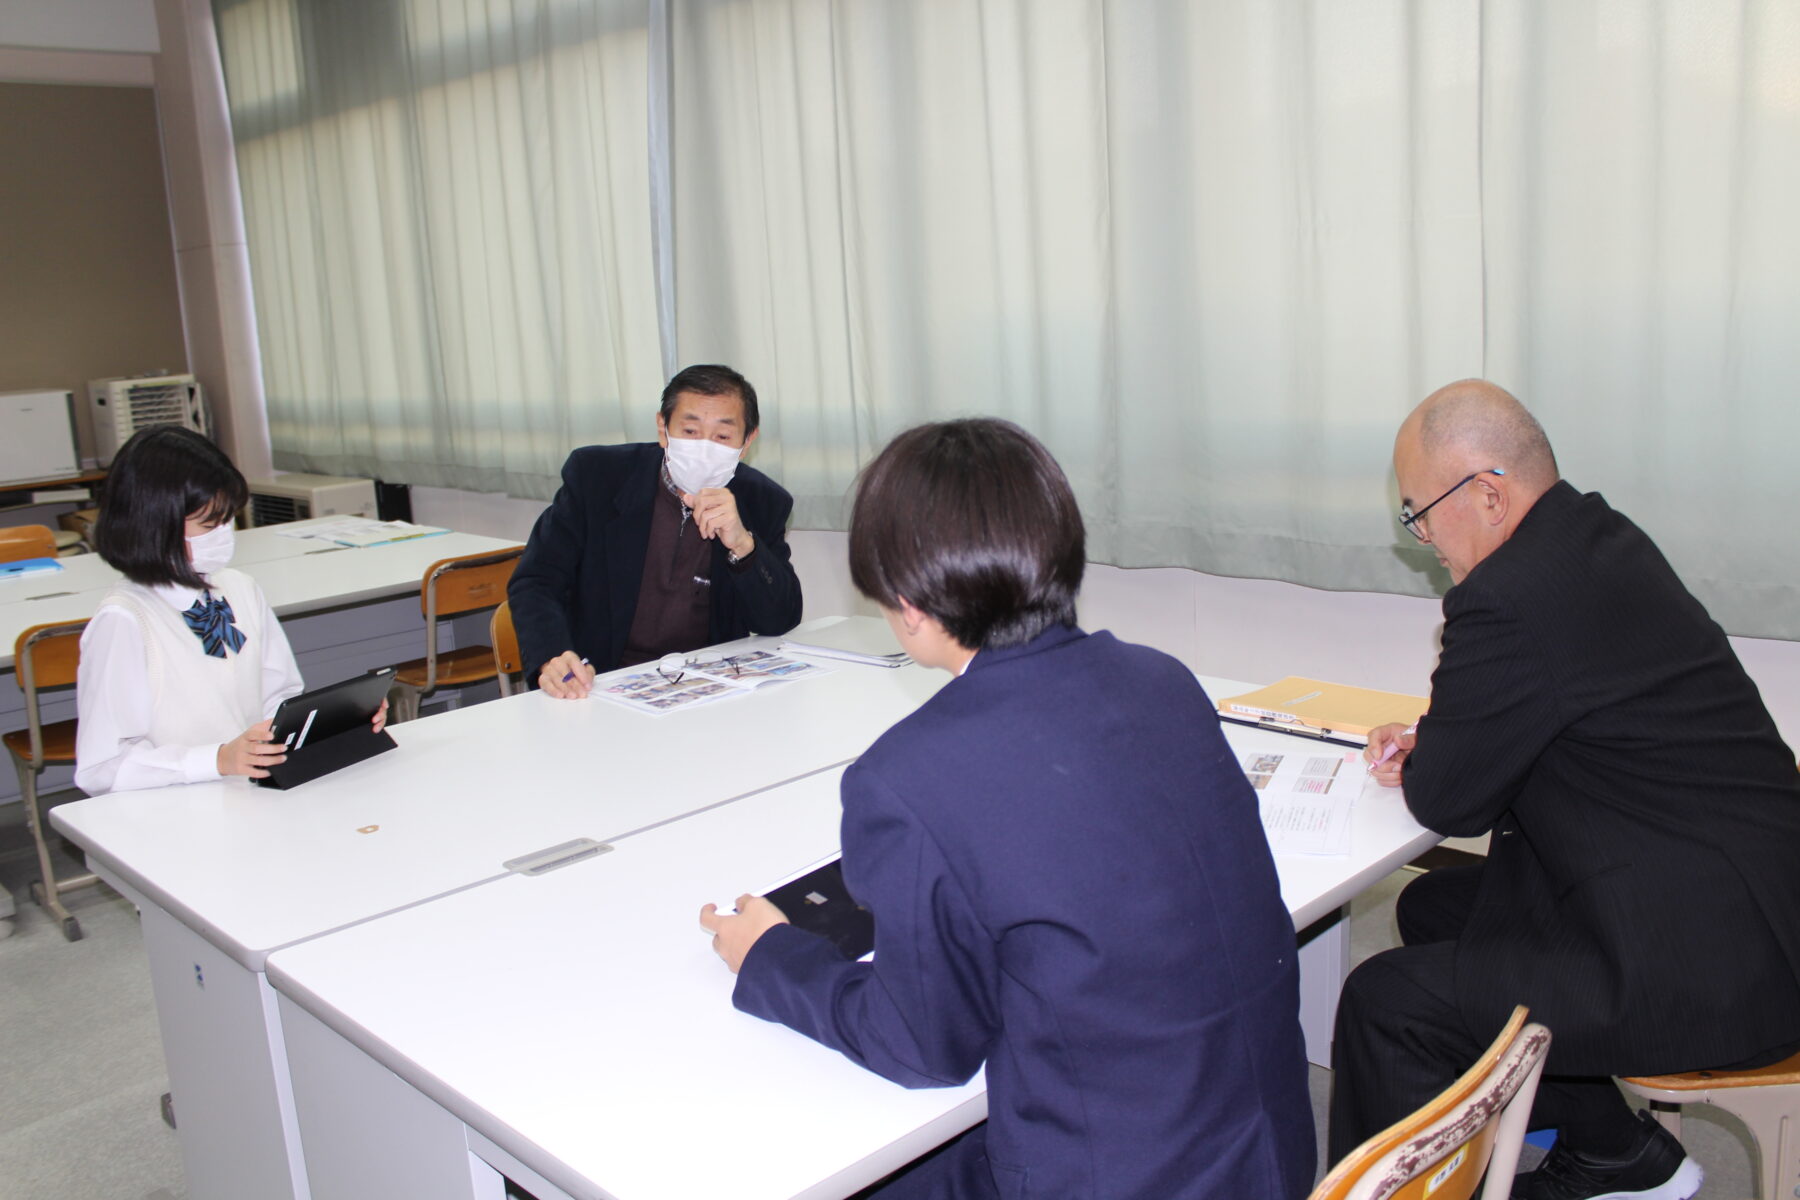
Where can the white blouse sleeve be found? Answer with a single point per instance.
(112, 699)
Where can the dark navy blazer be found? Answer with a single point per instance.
(576, 587)
(1070, 882)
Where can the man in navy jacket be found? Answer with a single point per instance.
(643, 552)
(1065, 863)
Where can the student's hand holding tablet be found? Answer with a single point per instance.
(251, 752)
(734, 934)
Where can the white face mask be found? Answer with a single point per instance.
(696, 463)
(212, 550)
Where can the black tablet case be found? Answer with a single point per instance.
(840, 920)
(340, 734)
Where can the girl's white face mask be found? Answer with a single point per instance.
(212, 550)
(696, 463)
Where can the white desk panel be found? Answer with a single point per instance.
(252, 868)
(297, 576)
(581, 1024)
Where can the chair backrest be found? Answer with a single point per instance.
(1441, 1150)
(468, 583)
(45, 656)
(505, 641)
(26, 541)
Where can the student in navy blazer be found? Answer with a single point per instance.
(1065, 863)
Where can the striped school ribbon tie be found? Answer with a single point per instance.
(210, 619)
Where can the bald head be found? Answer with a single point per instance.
(1471, 462)
(1473, 425)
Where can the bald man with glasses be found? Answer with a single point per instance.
(1640, 892)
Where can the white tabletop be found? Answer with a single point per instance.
(252, 869)
(297, 575)
(608, 1056)
(660, 1089)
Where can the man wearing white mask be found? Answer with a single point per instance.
(650, 549)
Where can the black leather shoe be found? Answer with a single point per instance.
(1654, 1168)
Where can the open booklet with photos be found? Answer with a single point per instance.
(680, 682)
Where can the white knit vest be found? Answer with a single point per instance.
(195, 698)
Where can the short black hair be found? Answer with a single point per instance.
(974, 524)
(711, 379)
(160, 478)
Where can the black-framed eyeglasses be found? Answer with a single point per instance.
(1411, 519)
(679, 666)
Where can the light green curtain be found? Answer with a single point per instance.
(1212, 253)
(449, 225)
(1641, 181)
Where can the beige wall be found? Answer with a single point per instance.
(88, 286)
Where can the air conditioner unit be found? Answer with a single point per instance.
(122, 406)
(297, 497)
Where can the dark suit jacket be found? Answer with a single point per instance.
(1070, 882)
(1642, 893)
(576, 586)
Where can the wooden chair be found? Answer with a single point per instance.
(1766, 1099)
(45, 656)
(451, 587)
(506, 650)
(26, 541)
(1441, 1150)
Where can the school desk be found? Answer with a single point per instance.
(574, 1031)
(226, 873)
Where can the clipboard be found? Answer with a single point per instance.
(327, 729)
(1319, 709)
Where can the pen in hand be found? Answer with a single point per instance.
(571, 674)
(1393, 745)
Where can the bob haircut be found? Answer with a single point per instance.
(161, 477)
(710, 379)
(973, 523)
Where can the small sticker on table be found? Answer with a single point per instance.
(368, 829)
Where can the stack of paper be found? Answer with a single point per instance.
(361, 531)
(856, 640)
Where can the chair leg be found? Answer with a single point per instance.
(403, 704)
(1772, 1115)
(1668, 1116)
(47, 892)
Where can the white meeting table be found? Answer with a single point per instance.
(296, 575)
(574, 1031)
(226, 873)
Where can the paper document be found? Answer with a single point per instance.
(1306, 797)
(361, 531)
(1329, 707)
(701, 680)
(854, 640)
